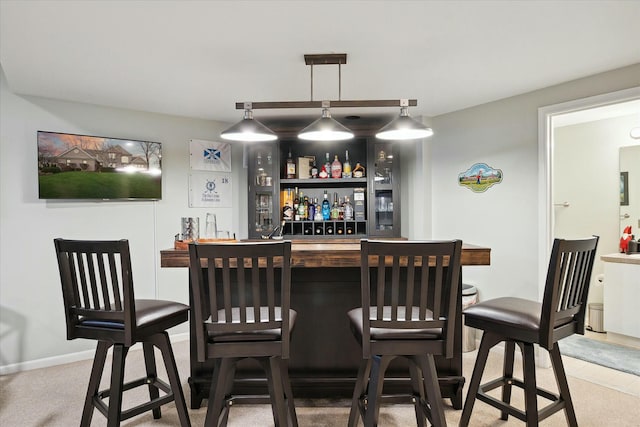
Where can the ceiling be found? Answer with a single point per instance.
(198, 58)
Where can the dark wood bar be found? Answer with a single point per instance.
(324, 355)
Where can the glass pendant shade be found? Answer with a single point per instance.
(325, 129)
(404, 128)
(249, 130)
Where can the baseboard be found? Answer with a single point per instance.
(67, 358)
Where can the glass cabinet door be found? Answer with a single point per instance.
(384, 191)
(263, 177)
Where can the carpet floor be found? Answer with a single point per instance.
(53, 397)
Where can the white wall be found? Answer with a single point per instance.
(503, 134)
(31, 312)
(586, 175)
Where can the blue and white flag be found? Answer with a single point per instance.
(209, 155)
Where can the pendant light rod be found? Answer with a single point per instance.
(334, 104)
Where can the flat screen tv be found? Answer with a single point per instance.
(98, 168)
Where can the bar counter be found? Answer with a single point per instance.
(324, 360)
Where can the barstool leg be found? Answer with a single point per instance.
(487, 342)
(288, 393)
(358, 392)
(507, 373)
(563, 386)
(217, 391)
(432, 390)
(162, 342)
(94, 382)
(379, 365)
(417, 385)
(152, 374)
(530, 391)
(115, 388)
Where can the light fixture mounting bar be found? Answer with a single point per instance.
(334, 104)
(326, 59)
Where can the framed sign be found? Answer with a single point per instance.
(212, 189)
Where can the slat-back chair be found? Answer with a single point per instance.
(241, 294)
(525, 323)
(99, 302)
(409, 291)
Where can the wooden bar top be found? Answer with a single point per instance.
(335, 253)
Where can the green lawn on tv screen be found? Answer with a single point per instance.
(97, 185)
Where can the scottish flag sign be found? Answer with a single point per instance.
(209, 156)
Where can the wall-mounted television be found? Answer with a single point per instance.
(87, 167)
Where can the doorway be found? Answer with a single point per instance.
(582, 143)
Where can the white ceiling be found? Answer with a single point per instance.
(197, 58)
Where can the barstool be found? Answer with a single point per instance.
(525, 323)
(409, 291)
(241, 295)
(99, 303)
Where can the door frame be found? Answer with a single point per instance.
(546, 115)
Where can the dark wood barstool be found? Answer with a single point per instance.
(241, 294)
(409, 291)
(99, 302)
(525, 323)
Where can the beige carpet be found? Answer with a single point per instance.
(54, 396)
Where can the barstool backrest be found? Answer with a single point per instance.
(245, 304)
(97, 288)
(566, 290)
(398, 292)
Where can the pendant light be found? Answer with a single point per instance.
(403, 127)
(325, 128)
(248, 129)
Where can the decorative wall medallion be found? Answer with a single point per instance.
(479, 177)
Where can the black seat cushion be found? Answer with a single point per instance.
(355, 318)
(148, 313)
(252, 335)
(512, 312)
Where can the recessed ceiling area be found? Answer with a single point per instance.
(198, 58)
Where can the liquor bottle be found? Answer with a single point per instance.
(291, 167)
(326, 168)
(348, 210)
(318, 214)
(296, 206)
(349, 228)
(319, 230)
(358, 171)
(336, 168)
(314, 169)
(301, 208)
(311, 210)
(306, 209)
(335, 209)
(329, 228)
(326, 207)
(346, 166)
(287, 209)
(340, 209)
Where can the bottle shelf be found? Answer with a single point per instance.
(319, 182)
(331, 228)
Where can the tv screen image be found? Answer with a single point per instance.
(93, 167)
